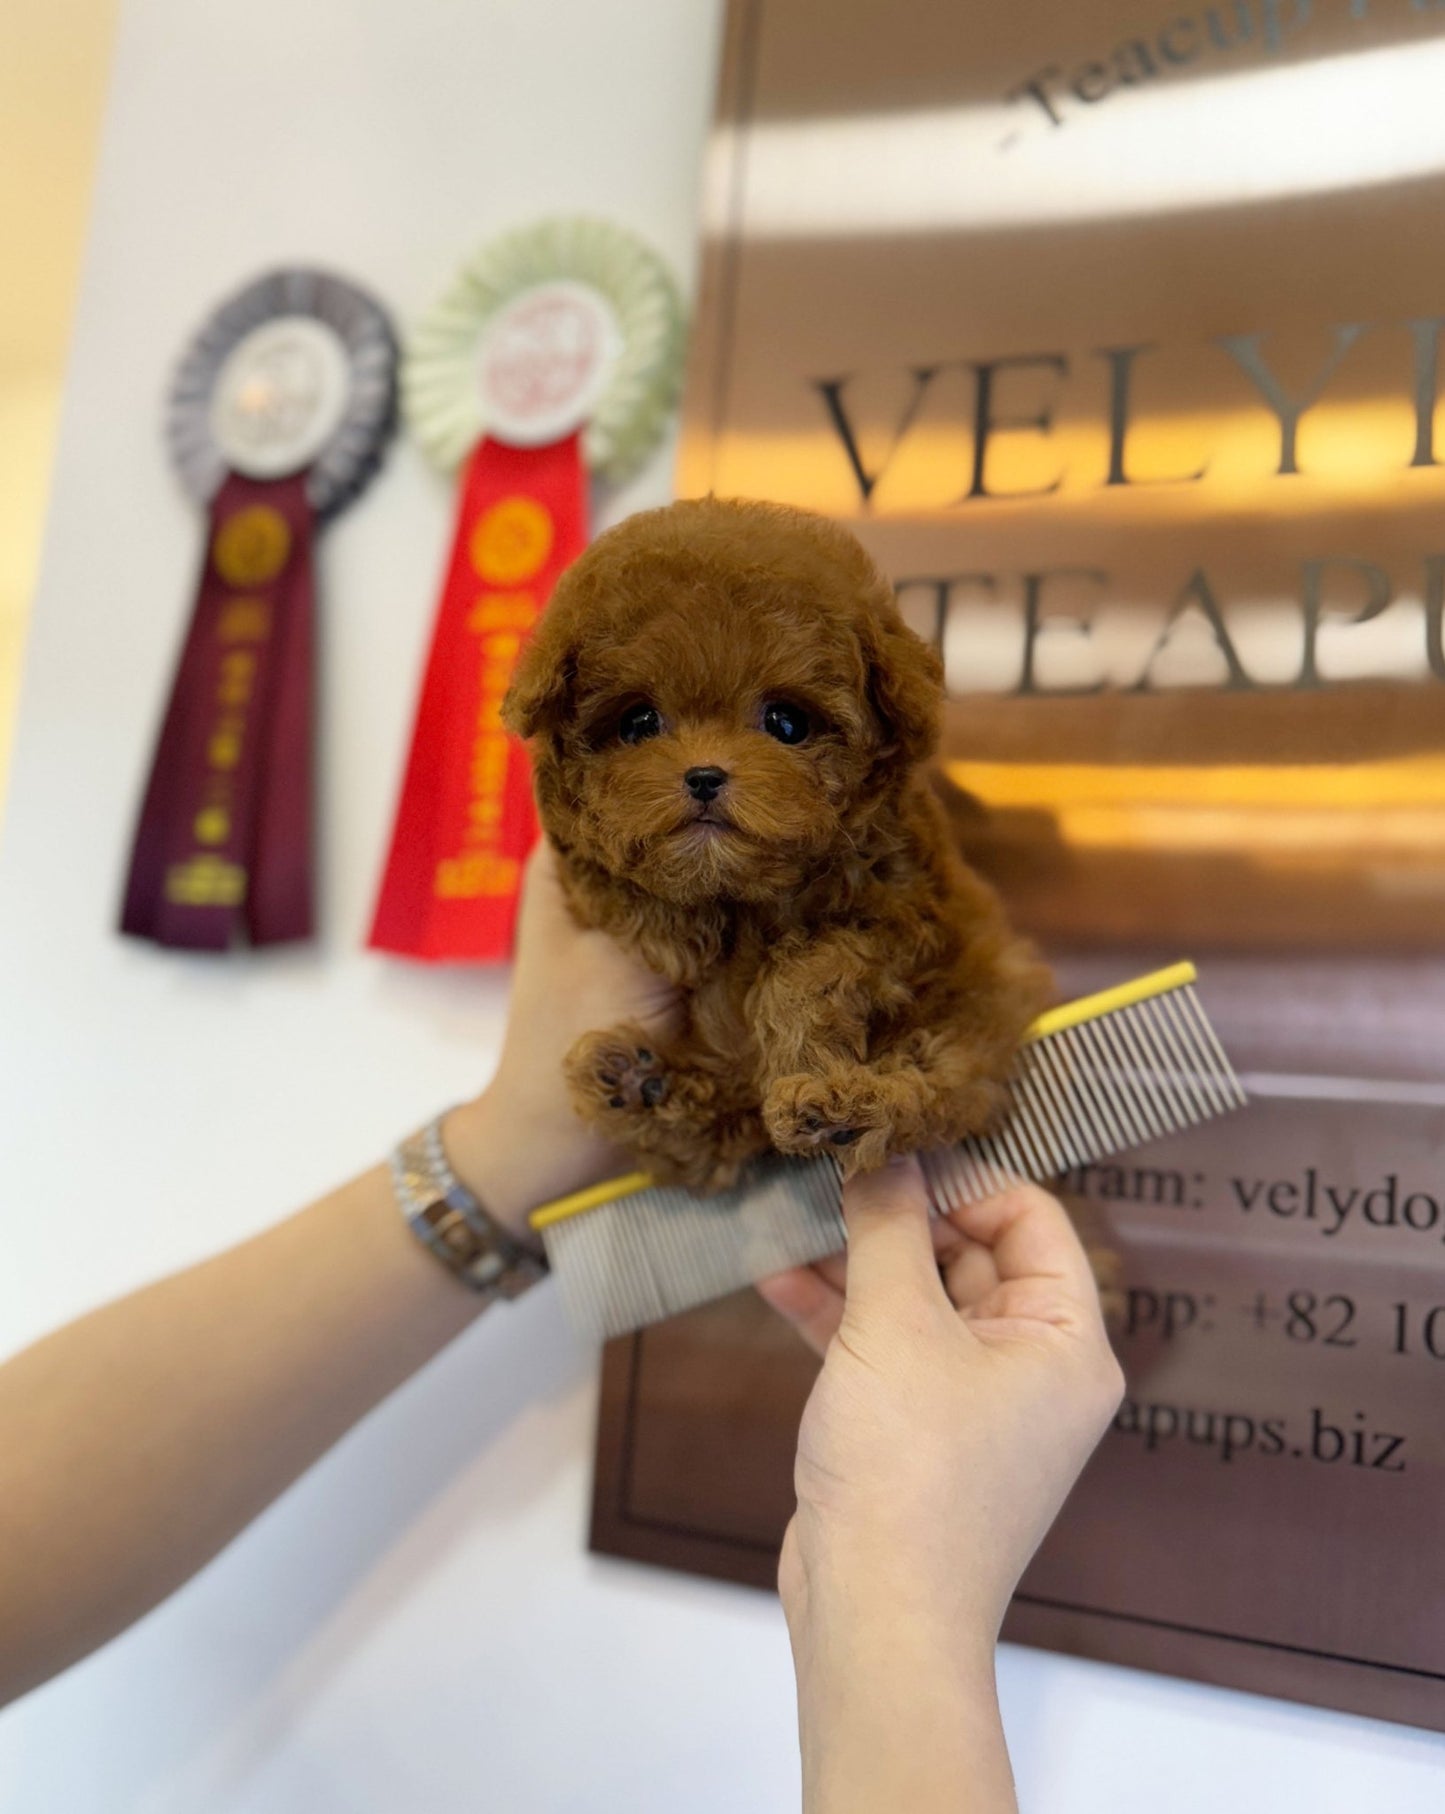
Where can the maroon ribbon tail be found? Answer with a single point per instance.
(223, 844)
(279, 907)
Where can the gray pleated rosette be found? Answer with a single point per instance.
(298, 369)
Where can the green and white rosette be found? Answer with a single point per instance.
(556, 353)
(570, 322)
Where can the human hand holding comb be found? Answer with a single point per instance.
(966, 1379)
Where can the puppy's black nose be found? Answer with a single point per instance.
(705, 783)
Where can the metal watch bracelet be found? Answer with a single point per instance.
(446, 1218)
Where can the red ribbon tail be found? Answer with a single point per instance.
(466, 821)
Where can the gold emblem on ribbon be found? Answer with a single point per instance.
(252, 546)
(511, 541)
(207, 881)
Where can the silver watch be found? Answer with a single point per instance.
(447, 1218)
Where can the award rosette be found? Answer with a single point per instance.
(557, 351)
(278, 415)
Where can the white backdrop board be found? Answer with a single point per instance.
(416, 1625)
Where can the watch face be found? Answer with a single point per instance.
(280, 396)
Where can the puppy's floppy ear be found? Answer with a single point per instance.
(539, 699)
(904, 683)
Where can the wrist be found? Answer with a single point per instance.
(847, 1586)
(512, 1163)
(857, 1649)
(894, 1718)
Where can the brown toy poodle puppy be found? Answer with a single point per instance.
(729, 724)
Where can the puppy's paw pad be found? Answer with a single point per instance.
(623, 1075)
(809, 1114)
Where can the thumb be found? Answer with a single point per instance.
(890, 1246)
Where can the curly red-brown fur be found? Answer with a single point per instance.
(848, 982)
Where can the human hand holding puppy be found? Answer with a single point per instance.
(729, 725)
(967, 1377)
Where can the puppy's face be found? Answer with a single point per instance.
(718, 696)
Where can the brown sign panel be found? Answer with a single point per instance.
(1264, 1513)
(1116, 339)
(1116, 336)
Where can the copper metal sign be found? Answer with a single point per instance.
(1265, 1512)
(1117, 338)
(1118, 342)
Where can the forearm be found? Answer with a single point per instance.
(139, 1440)
(895, 1709)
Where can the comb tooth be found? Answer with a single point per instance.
(628, 1271)
(1127, 1061)
(1186, 1058)
(997, 1177)
(1004, 1153)
(1046, 1134)
(1027, 1135)
(1108, 1097)
(1041, 1080)
(1054, 1076)
(576, 1258)
(575, 1251)
(652, 1233)
(936, 1164)
(1007, 1158)
(966, 1178)
(601, 1276)
(634, 1267)
(1206, 1085)
(975, 1171)
(1121, 1072)
(1009, 1139)
(679, 1274)
(1105, 1138)
(1106, 1085)
(957, 1176)
(1026, 1131)
(1183, 1063)
(1153, 1086)
(1166, 1077)
(623, 1273)
(685, 1276)
(932, 1179)
(1222, 1067)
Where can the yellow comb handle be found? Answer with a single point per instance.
(1109, 1001)
(592, 1198)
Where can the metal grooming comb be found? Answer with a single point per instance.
(1095, 1077)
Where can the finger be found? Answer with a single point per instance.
(541, 889)
(947, 1241)
(806, 1300)
(969, 1273)
(890, 1248)
(1030, 1236)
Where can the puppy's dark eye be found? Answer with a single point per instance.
(788, 723)
(638, 723)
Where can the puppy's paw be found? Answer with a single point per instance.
(847, 1112)
(617, 1075)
